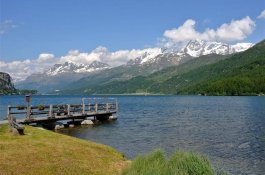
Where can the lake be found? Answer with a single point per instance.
(230, 131)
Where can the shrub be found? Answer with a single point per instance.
(181, 163)
(41, 107)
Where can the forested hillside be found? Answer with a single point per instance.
(241, 74)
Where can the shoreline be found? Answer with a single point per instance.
(41, 151)
(140, 95)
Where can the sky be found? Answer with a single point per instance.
(36, 34)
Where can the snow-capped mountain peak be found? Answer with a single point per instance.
(147, 56)
(193, 49)
(98, 64)
(71, 67)
(196, 48)
(240, 47)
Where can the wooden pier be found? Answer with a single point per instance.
(93, 108)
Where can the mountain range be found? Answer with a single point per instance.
(70, 67)
(72, 77)
(238, 74)
(60, 75)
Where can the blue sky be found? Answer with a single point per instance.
(36, 34)
(49, 26)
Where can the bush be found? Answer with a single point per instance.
(41, 107)
(181, 163)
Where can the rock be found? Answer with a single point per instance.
(87, 122)
(71, 125)
(113, 117)
(15, 131)
(58, 127)
(6, 84)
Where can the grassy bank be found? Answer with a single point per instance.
(45, 152)
(181, 163)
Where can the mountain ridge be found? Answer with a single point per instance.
(72, 75)
(70, 67)
(240, 74)
(194, 48)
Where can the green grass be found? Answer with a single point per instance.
(181, 163)
(45, 152)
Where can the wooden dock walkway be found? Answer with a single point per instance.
(93, 108)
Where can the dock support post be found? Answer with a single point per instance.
(51, 111)
(83, 106)
(68, 110)
(117, 105)
(107, 107)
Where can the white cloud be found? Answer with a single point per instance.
(236, 30)
(2, 64)
(19, 70)
(262, 15)
(45, 57)
(183, 33)
(104, 55)
(6, 26)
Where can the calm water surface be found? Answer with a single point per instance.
(230, 131)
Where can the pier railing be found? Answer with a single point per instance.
(88, 107)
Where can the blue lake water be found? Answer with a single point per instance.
(230, 131)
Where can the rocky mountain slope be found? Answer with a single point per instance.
(6, 84)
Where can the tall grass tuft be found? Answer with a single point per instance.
(181, 163)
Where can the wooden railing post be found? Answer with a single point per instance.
(9, 118)
(51, 111)
(96, 107)
(117, 105)
(11, 123)
(8, 110)
(28, 112)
